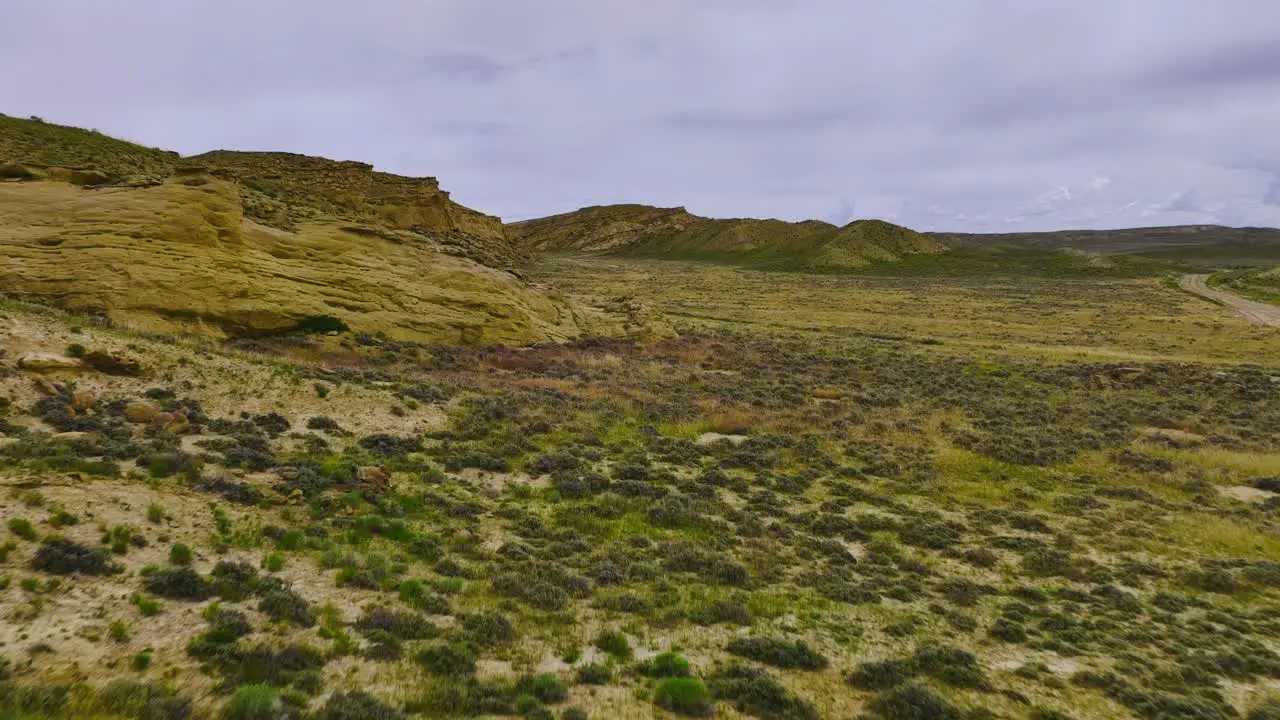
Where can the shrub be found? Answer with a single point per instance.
(63, 557)
(755, 692)
(180, 583)
(180, 554)
(356, 705)
(950, 665)
(487, 629)
(794, 655)
(284, 604)
(881, 675)
(1268, 709)
(253, 702)
(415, 593)
(686, 696)
(226, 626)
(547, 688)
(594, 674)
(913, 702)
(390, 445)
(615, 644)
(667, 664)
(723, 611)
(400, 625)
(234, 581)
(453, 660)
(23, 528)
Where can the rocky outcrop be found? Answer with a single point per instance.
(182, 256)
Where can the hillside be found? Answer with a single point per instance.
(675, 233)
(239, 244)
(1189, 243)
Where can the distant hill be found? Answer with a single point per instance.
(250, 243)
(675, 233)
(1198, 244)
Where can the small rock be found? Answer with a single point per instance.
(44, 387)
(178, 425)
(71, 435)
(48, 362)
(109, 364)
(372, 475)
(710, 438)
(287, 473)
(140, 412)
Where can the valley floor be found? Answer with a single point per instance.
(831, 497)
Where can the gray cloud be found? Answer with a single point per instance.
(967, 115)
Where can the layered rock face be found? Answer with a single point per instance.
(243, 244)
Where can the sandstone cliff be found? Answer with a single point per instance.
(240, 244)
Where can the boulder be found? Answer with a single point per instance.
(140, 412)
(49, 362)
(372, 475)
(111, 364)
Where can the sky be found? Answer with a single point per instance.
(962, 115)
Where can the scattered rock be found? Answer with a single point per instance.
(711, 438)
(1244, 493)
(373, 475)
(140, 412)
(49, 362)
(286, 473)
(72, 435)
(110, 364)
(44, 387)
(83, 401)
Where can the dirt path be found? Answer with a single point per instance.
(1256, 312)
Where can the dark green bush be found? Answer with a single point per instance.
(453, 660)
(181, 583)
(754, 691)
(789, 654)
(356, 705)
(63, 557)
(913, 702)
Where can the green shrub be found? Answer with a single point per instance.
(356, 705)
(686, 696)
(547, 688)
(452, 660)
(667, 664)
(913, 702)
(180, 554)
(882, 675)
(595, 674)
(23, 528)
(615, 644)
(754, 691)
(253, 702)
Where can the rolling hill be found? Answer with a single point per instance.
(643, 230)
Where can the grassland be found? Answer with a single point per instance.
(834, 496)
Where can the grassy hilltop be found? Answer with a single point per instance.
(673, 233)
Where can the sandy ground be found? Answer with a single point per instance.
(1260, 313)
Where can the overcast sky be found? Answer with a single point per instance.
(977, 115)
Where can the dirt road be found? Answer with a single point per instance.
(1256, 312)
